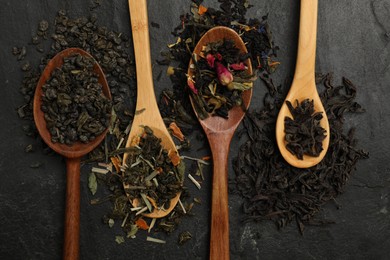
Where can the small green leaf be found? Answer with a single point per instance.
(181, 169)
(92, 183)
(119, 239)
(132, 232)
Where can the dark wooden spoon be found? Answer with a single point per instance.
(219, 132)
(73, 153)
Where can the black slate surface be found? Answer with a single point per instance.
(353, 41)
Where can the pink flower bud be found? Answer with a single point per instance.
(224, 75)
(210, 60)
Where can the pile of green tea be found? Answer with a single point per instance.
(75, 108)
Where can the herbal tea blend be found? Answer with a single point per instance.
(150, 174)
(75, 108)
(220, 77)
(303, 132)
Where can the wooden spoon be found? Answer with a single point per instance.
(219, 132)
(73, 153)
(304, 86)
(147, 112)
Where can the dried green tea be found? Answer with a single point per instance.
(111, 49)
(303, 132)
(75, 108)
(149, 173)
(220, 77)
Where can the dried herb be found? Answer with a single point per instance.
(75, 108)
(220, 77)
(270, 187)
(150, 173)
(184, 237)
(303, 132)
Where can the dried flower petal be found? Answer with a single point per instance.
(176, 131)
(238, 66)
(141, 223)
(202, 9)
(117, 163)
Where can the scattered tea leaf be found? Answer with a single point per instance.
(119, 239)
(155, 240)
(92, 183)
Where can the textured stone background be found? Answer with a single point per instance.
(353, 41)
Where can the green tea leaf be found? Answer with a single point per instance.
(119, 239)
(132, 232)
(92, 183)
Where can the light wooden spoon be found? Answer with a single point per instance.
(219, 132)
(73, 153)
(303, 85)
(148, 113)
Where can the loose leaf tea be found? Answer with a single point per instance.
(256, 34)
(220, 77)
(303, 132)
(111, 49)
(150, 175)
(273, 189)
(75, 108)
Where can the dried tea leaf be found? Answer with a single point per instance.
(111, 222)
(92, 183)
(119, 239)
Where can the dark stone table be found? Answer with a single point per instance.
(353, 41)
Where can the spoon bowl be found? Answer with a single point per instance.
(303, 86)
(147, 112)
(219, 132)
(73, 152)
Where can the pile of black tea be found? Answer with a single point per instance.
(150, 174)
(220, 76)
(75, 108)
(303, 132)
(271, 188)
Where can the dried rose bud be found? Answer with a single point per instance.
(210, 60)
(218, 56)
(224, 75)
(237, 66)
(191, 85)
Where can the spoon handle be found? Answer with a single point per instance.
(140, 34)
(219, 238)
(305, 67)
(72, 210)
